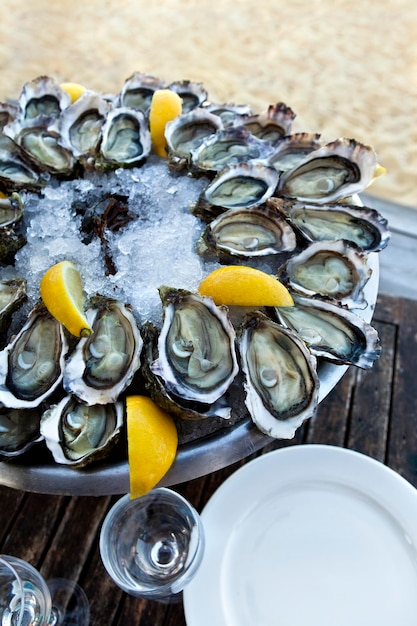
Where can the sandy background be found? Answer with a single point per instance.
(346, 67)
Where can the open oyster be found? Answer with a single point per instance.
(281, 380)
(228, 112)
(31, 365)
(77, 434)
(332, 332)
(19, 430)
(103, 364)
(337, 170)
(126, 139)
(196, 347)
(43, 97)
(12, 295)
(334, 270)
(138, 90)
(192, 94)
(328, 222)
(246, 233)
(273, 125)
(187, 131)
(292, 149)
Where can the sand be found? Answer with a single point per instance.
(346, 67)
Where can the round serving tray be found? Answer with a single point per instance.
(193, 460)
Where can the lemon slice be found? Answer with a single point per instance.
(62, 293)
(237, 285)
(75, 90)
(152, 443)
(165, 106)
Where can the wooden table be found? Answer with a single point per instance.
(372, 411)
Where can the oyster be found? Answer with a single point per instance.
(334, 270)
(247, 233)
(11, 210)
(332, 332)
(192, 94)
(77, 434)
(126, 139)
(188, 130)
(273, 125)
(103, 364)
(231, 145)
(229, 113)
(81, 123)
(19, 430)
(8, 112)
(328, 222)
(43, 97)
(12, 295)
(31, 365)
(196, 347)
(239, 186)
(337, 170)
(14, 171)
(292, 149)
(138, 90)
(281, 380)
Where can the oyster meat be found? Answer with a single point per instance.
(103, 364)
(77, 434)
(31, 365)
(332, 332)
(196, 347)
(281, 381)
(19, 430)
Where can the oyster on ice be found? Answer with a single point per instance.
(196, 347)
(273, 125)
(187, 131)
(281, 381)
(12, 295)
(192, 94)
(333, 270)
(138, 90)
(363, 226)
(332, 332)
(246, 233)
(104, 363)
(77, 434)
(337, 170)
(43, 97)
(126, 139)
(31, 365)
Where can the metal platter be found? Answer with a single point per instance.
(193, 460)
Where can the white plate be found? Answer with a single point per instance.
(308, 535)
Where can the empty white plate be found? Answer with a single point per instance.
(308, 535)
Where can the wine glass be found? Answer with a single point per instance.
(152, 546)
(26, 600)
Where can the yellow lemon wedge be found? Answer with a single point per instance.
(165, 106)
(75, 90)
(62, 293)
(237, 285)
(152, 441)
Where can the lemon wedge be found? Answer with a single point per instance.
(75, 90)
(152, 443)
(237, 285)
(165, 106)
(62, 293)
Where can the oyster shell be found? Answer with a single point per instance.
(247, 233)
(19, 430)
(272, 125)
(104, 363)
(188, 130)
(291, 150)
(192, 94)
(81, 123)
(8, 112)
(196, 347)
(138, 90)
(77, 434)
(229, 113)
(12, 295)
(328, 222)
(332, 332)
(126, 139)
(229, 146)
(281, 380)
(337, 170)
(239, 186)
(31, 365)
(11, 210)
(43, 97)
(332, 270)
(15, 173)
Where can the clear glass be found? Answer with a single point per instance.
(152, 546)
(26, 600)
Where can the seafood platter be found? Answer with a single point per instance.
(80, 180)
